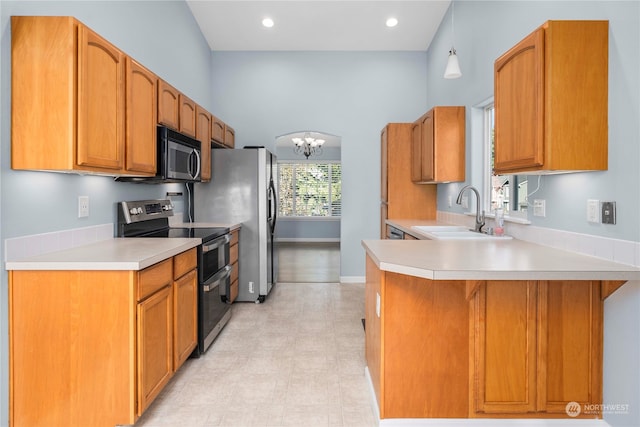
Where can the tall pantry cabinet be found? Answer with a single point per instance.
(400, 198)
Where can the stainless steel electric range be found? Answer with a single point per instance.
(150, 218)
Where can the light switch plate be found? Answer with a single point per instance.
(608, 212)
(593, 208)
(539, 208)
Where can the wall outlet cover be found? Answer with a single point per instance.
(608, 212)
(539, 208)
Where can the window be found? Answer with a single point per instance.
(310, 189)
(508, 192)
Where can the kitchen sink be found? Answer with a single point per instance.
(454, 232)
(438, 228)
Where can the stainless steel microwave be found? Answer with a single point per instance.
(179, 157)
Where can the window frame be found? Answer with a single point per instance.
(310, 217)
(487, 175)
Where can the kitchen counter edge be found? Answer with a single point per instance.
(491, 260)
(111, 254)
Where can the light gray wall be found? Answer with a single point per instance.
(302, 229)
(350, 94)
(163, 36)
(485, 30)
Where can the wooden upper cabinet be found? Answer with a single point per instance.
(229, 136)
(203, 134)
(217, 130)
(141, 121)
(400, 198)
(438, 146)
(550, 114)
(168, 105)
(68, 97)
(187, 116)
(101, 96)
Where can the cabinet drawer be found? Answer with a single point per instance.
(234, 272)
(234, 238)
(233, 253)
(153, 278)
(184, 262)
(233, 291)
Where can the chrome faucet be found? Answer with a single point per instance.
(479, 216)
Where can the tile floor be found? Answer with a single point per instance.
(295, 360)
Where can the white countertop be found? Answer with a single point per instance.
(111, 254)
(491, 260)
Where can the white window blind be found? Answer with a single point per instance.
(310, 189)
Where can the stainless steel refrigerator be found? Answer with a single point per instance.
(243, 190)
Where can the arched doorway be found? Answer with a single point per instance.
(310, 200)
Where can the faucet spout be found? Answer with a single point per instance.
(479, 215)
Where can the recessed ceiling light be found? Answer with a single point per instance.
(392, 22)
(267, 22)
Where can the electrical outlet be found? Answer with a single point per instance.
(539, 208)
(83, 206)
(593, 207)
(608, 212)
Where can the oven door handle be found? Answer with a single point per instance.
(217, 278)
(216, 243)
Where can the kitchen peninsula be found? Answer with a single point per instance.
(485, 328)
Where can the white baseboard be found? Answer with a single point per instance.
(352, 279)
(308, 239)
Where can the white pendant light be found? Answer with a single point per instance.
(453, 66)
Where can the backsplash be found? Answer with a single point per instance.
(17, 248)
(622, 251)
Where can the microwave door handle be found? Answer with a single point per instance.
(198, 160)
(215, 280)
(216, 243)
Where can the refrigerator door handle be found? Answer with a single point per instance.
(273, 206)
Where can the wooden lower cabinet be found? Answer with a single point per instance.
(474, 349)
(417, 349)
(235, 264)
(537, 347)
(155, 346)
(94, 348)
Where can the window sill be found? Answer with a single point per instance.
(513, 219)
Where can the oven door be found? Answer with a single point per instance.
(214, 256)
(214, 312)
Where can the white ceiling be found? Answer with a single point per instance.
(318, 25)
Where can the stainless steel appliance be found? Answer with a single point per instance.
(150, 218)
(178, 158)
(243, 190)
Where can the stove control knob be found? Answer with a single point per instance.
(133, 211)
(139, 210)
(167, 207)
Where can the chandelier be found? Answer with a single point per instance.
(307, 146)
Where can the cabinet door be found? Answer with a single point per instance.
(186, 316)
(384, 164)
(426, 148)
(203, 134)
(416, 151)
(168, 105)
(187, 116)
(504, 319)
(229, 136)
(142, 107)
(569, 344)
(101, 108)
(217, 130)
(519, 105)
(155, 345)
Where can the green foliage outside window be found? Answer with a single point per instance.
(310, 189)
